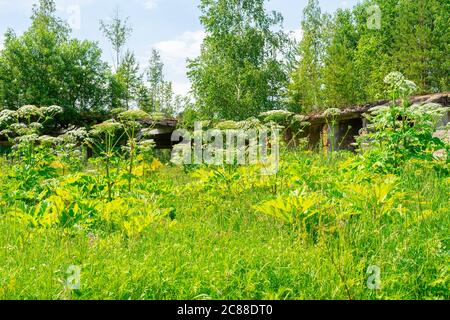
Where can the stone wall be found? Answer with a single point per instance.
(352, 120)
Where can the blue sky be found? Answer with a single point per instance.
(171, 26)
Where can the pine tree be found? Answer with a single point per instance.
(373, 56)
(160, 93)
(306, 83)
(339, 76)
(129, 80)
(440, 50)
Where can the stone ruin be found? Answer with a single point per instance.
(352, 120)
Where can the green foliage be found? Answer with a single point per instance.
(314, 229)
(343, 59)
(140, 229)
(339, 76)
(401, 131)
(239, 73)
(305, 88)
(45, 67)
(158, 96)
(420, 51)
(128, 81)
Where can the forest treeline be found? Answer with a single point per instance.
(344, 57)
(46, 66)
(248, 64)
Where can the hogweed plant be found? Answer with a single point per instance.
(331, 116)
(69, 148)
(146, 151)
(400, 131)
(292, 125)
(24, 126)
(104, 137)
(30, 152)
(131, 126)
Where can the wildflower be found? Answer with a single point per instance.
(408, 87)
(35, 126)
(332, 113)
(398, 82)
(155, 165)
(301, 121)
(278, 116)
(29, 111)
(5, 132)
(27, 138)
(299, 118)
(7, 116)
(51, 111)
(20, 128)
(147, 145)
(78, 134)
(48, 140)
(274, 126)
(133, 115)
(394, 78)
(109, 127)
(250, 123)
(227, 125)
(126, 148)
(57, 165)
(77, 153)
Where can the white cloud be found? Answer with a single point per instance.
(186, 45)
(344, 5)
(182, 88)
(151, 4)
(26, 5)
(18, 5)
(174, 54)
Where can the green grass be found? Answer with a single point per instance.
(220, 247)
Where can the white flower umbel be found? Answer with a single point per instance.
(394, 78)
(398, 82)
(48, 141)
(227, 125)
(30, 138)
(52, 110)
(332, 113)
(35, 126)
(7, 116)
(278, 116)
(74, 135)
(147, 145)
(29, 111)
(133, 115)
(109, 127)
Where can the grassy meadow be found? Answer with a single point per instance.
(93, 208)
(229, 233)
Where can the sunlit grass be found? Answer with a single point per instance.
(220, 247)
